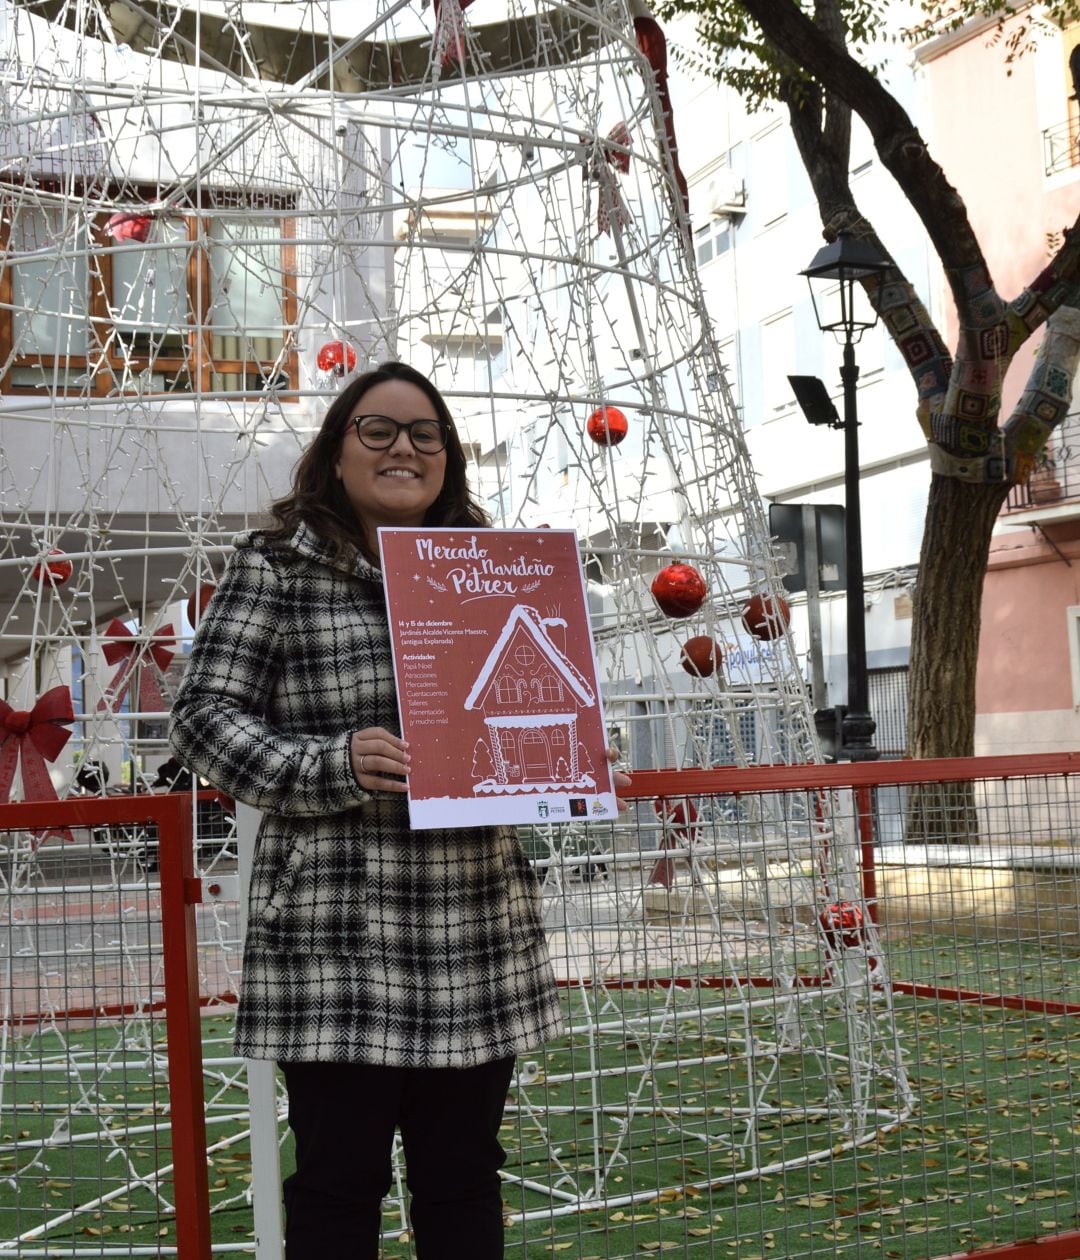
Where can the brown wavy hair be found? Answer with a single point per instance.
(318, 499)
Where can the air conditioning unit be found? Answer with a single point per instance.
(725, 194)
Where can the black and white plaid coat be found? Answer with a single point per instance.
(367, 942)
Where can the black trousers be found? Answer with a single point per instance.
(343, 1116)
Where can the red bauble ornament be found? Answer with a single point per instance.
(198, 600)
(701, 656)
(56, 571)
(679, 589)
(842, 923)
(766, 618)
(128, 225)
(607, 426)
(337, 357)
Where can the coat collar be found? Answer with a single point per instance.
(307, 543)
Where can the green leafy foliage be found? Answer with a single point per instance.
(733, 50)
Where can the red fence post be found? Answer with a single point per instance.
(179, 895)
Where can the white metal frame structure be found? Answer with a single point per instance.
(208, 221)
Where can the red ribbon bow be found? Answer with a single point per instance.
(121, 645)
(32, 738)
(449, 43)
(618, 135)
(610, 207)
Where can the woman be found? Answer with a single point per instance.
(393, 975)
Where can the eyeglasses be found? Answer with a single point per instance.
(379, 433)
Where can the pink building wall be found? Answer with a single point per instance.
(1024, 650)
(987, 135)
(983, 113)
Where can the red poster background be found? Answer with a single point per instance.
(496, 676)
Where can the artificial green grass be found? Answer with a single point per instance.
(988, 1155)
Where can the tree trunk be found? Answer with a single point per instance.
(945, 648)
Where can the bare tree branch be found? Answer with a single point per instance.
(902, 149)
(823, 139)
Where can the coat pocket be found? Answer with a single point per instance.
(284, 883)
(269, 919)
(316, 903)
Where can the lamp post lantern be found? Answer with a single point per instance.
(834, 277)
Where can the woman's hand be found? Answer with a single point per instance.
(375, 754)
(620, 779)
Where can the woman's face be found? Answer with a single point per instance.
(395, 486)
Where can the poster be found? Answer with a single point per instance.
(496, 677)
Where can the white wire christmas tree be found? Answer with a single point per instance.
(208, 223)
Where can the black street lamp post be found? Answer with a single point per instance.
(839, 267)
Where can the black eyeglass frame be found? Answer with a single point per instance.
(407, 426)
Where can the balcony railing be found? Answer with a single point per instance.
(1057, 474)
(1061, 146)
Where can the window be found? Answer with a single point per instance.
(50, 316)
(562, 455)
(862, 152)
(778, 358)
(551, 689)
(770, 187)
(712, 240)
(727, 739)
(205, 304)
(505, 689)
(888, 698)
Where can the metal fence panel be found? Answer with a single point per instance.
(811, 1011)
(102, 1135)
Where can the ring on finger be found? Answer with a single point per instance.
(363, 758)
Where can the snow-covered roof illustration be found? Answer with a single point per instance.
(535, 626)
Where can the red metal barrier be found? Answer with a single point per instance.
(1011, 797)
(171, 814)
(864, 781)
(735, 781)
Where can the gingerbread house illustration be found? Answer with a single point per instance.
(531, 697)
